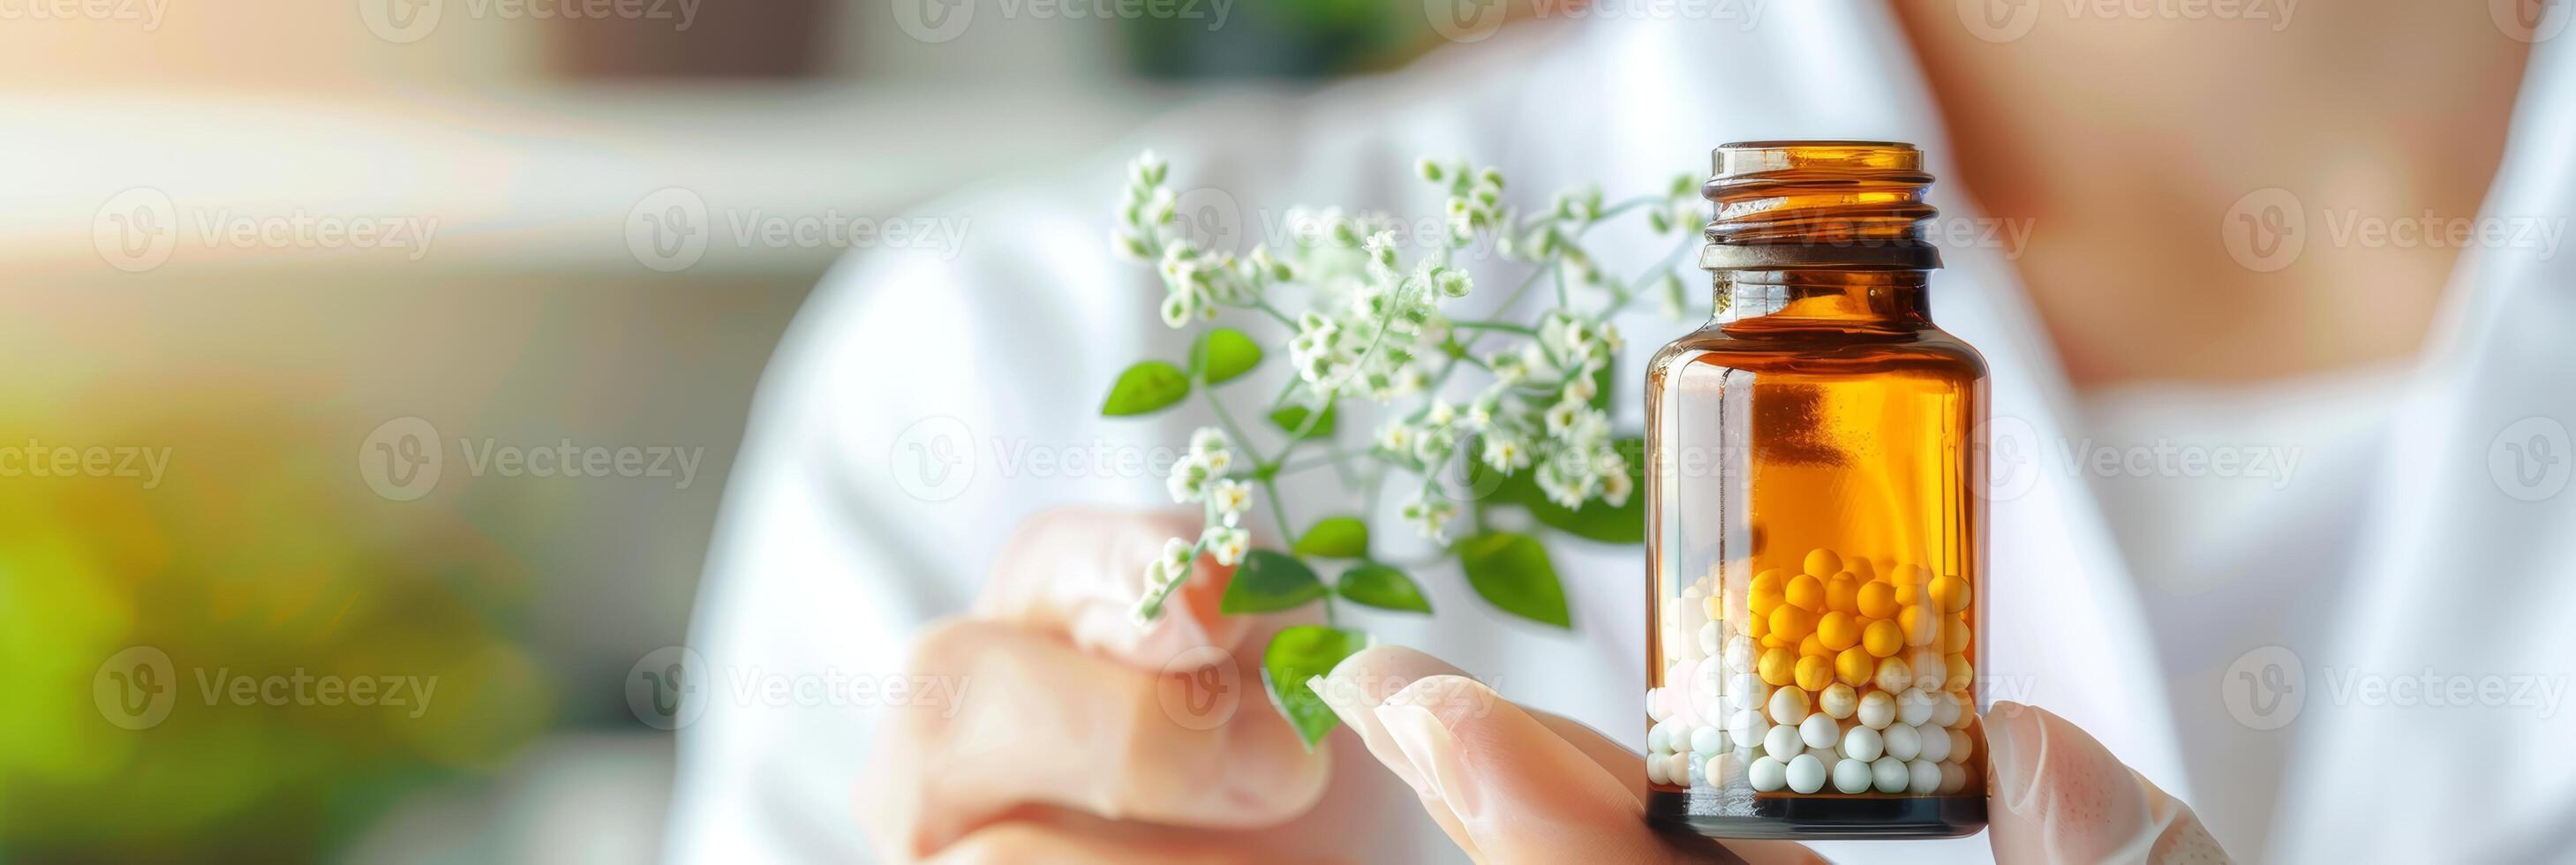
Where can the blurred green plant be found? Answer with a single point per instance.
(255, 557)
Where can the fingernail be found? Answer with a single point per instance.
(1358, 711)
(1426, 744)
(2019, 746)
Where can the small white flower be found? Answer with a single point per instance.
(1155, 576)
(1453, 283)
(1480, 414)
(1505, 453)
(1615, 487)
(1127, 245)
(1508, 368)
(1608, 334)
(1189, 479)
(1177, 308)
(1396, 436)
(1147, 170)
(1226, 544)
(1381, 249)
(1207, 440)
(1231, 498)
(1441, 413)
(1176, 557)
(1561, 416)
(1581, 389)
(1430, 515)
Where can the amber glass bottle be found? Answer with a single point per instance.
(1815, 542)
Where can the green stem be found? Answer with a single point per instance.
(1473, 324)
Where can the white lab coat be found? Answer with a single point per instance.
(827, 559)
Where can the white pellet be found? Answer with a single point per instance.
(1889, 774)
(1894, 675)
(1739, 654)
(1655, 771)
(1708, 740)
(1913, 707)
(1953, 777)
(1903, 742)
(1783, 742)
(1715, 771)
(1936, 743)
(1708, 638)
(1863, 744)
(1819, 730)
(1681, 767)
(1788, 705)
(1709, 680)
(1877, 710)
(1659, 738)
(1838, 700)
(1657, 708)
(1852, 776)
(1747, 727)
(1747, 691)
(1929, 669)
(1769, 775)
(1806, 774)
(1967, 711)
(1922, 777)
(1946, 708)
(1961, 746)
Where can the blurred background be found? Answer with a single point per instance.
(314, 303)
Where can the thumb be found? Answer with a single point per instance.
(2061, 797)
(1509, 784)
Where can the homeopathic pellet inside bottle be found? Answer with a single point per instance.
(1815, 547)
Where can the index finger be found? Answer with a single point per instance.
(1079, 573)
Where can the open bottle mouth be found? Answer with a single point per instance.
(1818, 204)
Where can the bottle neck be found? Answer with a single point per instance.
(1892, 300)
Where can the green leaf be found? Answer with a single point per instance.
(1289, 418)
(1512, 571)
(1223, 354)
(1335, 538)
(1383, 587)
(1147, 387)
(1268, 582)
(1300, 653)
(1601, 380)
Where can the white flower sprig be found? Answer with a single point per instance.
(1375, 327)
